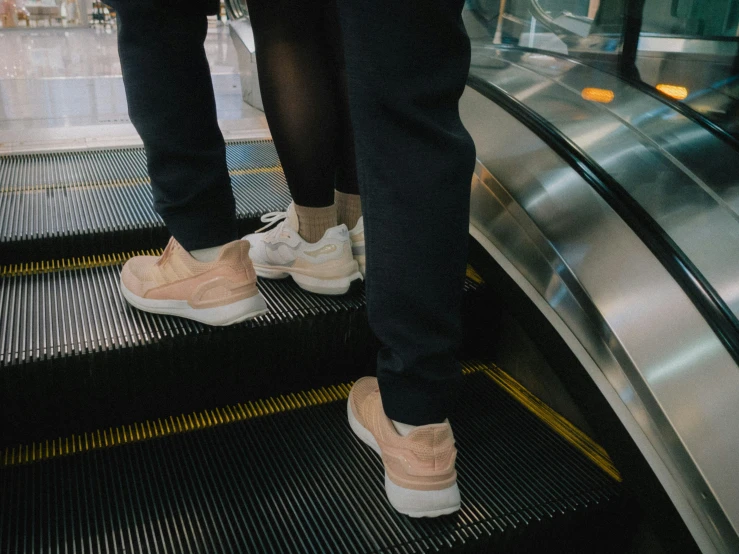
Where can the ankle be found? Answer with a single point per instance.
(348, 208)
(314, 222)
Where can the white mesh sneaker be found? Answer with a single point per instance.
(324, 267)
(357, 236)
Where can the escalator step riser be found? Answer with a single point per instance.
(94, 202)
(299, 481)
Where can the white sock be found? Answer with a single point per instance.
(206, 255)
(403, 429)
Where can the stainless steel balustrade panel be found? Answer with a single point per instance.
(671, 381)
(685, 177)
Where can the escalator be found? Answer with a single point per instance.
(130, 432)
(600, 356)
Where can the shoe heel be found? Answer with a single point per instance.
(415, 503)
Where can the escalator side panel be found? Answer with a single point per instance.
(659, 357)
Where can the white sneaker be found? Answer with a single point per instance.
(324, 267)
(357, 236)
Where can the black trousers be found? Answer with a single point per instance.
(406, 67)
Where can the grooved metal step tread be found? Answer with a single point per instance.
(73, 352)
(57, 313)
(299, 481)
(85, 203)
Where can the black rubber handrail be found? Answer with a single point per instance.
(706, 299)
(683, 109)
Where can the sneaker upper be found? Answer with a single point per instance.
(357, 238)
(176, 275)
(422, 460)
(283, 246)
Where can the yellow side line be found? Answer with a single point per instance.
(138, 432)
(577, 438)
(474, 275)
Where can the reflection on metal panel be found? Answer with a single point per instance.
(657, 43)
(679, 172)
(669, 374)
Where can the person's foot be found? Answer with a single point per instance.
(420, 479)
(220, 292)
(357, 236)
(323, 267)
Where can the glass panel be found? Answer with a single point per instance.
(686, 49)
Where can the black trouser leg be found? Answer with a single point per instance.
(303, 90)
(172, 105)
(407, 64)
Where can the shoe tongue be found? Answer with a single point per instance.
(292, 217)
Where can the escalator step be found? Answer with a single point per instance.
(299, 481)
(52, 313)
(72, 352)
(92, 202)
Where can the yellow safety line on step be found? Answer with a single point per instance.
(104, 260)
(83, 262)
(137, 432)
(122, 181)
(256, 170)
(554, 420)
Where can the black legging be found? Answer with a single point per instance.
(171, 104)
(301, 78)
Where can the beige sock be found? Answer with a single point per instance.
(348, 209)
(314, 222)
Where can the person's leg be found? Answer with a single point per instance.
(204, 273)
(172, 105)
(301, 92)
(407, 64)
(348, 203)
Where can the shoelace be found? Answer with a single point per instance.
(272, 218)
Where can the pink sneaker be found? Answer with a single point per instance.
(221, 292)
(420, 479)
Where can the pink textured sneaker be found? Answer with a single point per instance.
(420, 479)
(220, 292)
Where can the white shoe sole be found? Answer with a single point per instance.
(410, 502)
(362, 261)
(220, 316)
(333, 286)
